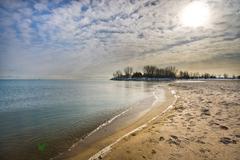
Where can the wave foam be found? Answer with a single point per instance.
(108, 148)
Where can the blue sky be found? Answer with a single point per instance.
(73, 39)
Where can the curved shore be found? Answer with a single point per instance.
(203, 124)
(94, 148)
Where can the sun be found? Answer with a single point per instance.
(195, 14)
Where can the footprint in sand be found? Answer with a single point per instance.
(128, 151)
(223, 127)
(227, 140)
(161, 139)
(172, 158)
(133, 134)
(192, 123)
(216, 125)
(219, 119)
(205, 112)
(151, 140)
(204, 150)
(237, 135)
(153, 151)
(200, 141)
(213, 124)
(209, 102)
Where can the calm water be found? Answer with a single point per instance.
(41, 118)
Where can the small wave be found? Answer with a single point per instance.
(157, 98)
(95, 130)
(100, 126)
(108, 148)
(108, 122)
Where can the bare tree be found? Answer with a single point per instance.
(117, 74)
(171, 71)
(184, 75)
(225, 75)
(149, 71)
(137, 75)
(128, 71)
(206, 75)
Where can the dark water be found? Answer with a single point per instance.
(42, 118)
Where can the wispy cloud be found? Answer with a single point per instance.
(67, 37)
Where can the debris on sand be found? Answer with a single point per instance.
(174, 140)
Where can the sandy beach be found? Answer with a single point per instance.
(203, 123)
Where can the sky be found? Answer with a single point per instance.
(75, 39)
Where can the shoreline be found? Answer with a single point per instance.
(92, 146)
(149, 79)
(107, 149)
(61, 127)
(203, 124)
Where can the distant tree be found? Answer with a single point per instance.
(160, 73)
(117, 74)
(149, 71)
(213, 76)
(184, 75)
(167, 72)
(225, 75)
(206, 75)
(194, 75)
(137, 75)
(181, 74)
(171, 71)
(238, 77)
(146, 70)
(128, 71)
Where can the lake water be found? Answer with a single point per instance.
(42, 118)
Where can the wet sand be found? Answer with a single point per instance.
(204, 123)
(93, 145)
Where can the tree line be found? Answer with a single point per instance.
(170, 72)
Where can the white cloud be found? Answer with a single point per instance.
(106, 32)
(40, 7)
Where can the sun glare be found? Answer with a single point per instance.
(195, 14)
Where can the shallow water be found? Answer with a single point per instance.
(42, 118)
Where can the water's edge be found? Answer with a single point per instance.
(93, 134)
(61, 115)
(107, 149)
(156, 102)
